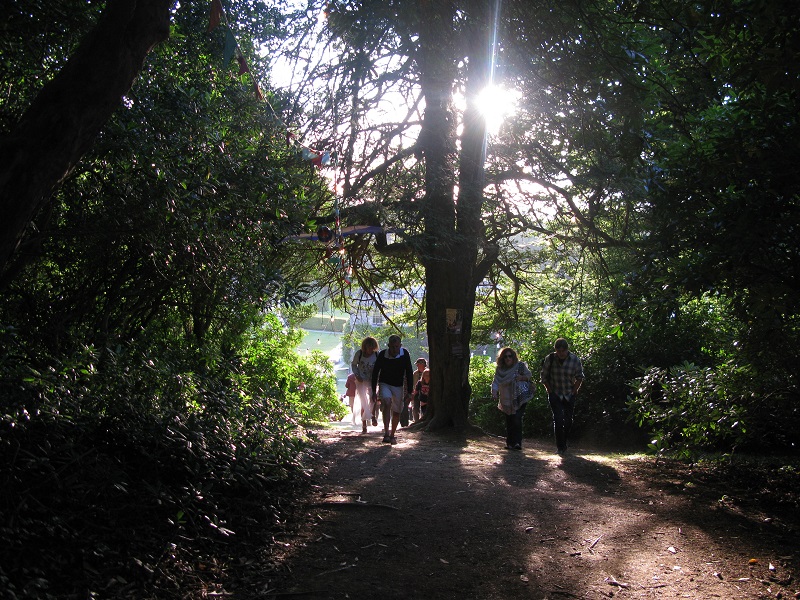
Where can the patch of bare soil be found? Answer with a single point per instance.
(446, 517)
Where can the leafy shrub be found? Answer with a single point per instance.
(110, 456)
(689, 408)
(307, 383)
(482, 408)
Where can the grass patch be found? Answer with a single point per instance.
(324, 341)
(323, 322)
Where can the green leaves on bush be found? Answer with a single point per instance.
(689, 408)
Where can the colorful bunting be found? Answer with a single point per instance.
(216, 15)
(229, 49)
(334, 240)
(243, 68)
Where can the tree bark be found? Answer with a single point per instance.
(63, 121)
(453, 228)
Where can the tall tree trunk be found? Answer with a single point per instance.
(453, 229)
(63, 121)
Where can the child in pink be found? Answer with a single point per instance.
(422, 391)
(350, 392)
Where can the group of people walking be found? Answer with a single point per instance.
(561, 374)
(384, 381)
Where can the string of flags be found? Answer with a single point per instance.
(335, 253)
(231, 50)
(231, 46)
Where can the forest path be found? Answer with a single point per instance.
(440, 517)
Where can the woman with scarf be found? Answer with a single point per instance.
(512, 388)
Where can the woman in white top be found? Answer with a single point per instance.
(512, 388)
(362, 365)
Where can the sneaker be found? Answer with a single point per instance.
(517, 447)
(387, 439)
(374, 421)
(392, 440)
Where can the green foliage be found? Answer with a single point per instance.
(140, 381)
(482, 408)
(724, 200)
(307, 383)
(690, 408)
(99, 441)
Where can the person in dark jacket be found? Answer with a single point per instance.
(394, 375)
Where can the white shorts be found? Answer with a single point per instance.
(393, 395)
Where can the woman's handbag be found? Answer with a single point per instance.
(524, 391)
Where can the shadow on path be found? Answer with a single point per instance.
(444, 517)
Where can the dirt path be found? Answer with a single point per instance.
(438, 517)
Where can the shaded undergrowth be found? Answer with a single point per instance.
(140, 507)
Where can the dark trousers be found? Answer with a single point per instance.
(514, 426)
(562, 419)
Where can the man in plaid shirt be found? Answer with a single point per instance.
(562, 376)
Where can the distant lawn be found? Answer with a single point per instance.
(322, 322)
(328, 342)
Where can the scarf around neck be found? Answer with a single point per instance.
(507, 387)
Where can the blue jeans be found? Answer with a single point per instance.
(514, 426)
(562, 418)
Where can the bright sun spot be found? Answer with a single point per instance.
(496, 104)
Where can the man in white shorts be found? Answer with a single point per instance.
(395, 376)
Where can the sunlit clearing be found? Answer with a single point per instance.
(495, 104)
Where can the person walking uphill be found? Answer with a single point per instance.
(562, 377)
(350, 393)
(421, 364)
(512, 389)
(362, 365)
(392, 371)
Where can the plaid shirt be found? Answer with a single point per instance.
(560, 377)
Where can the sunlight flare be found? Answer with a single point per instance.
(495, 104)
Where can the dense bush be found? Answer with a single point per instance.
(689, 409)
(114, 456)
(482, 408)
